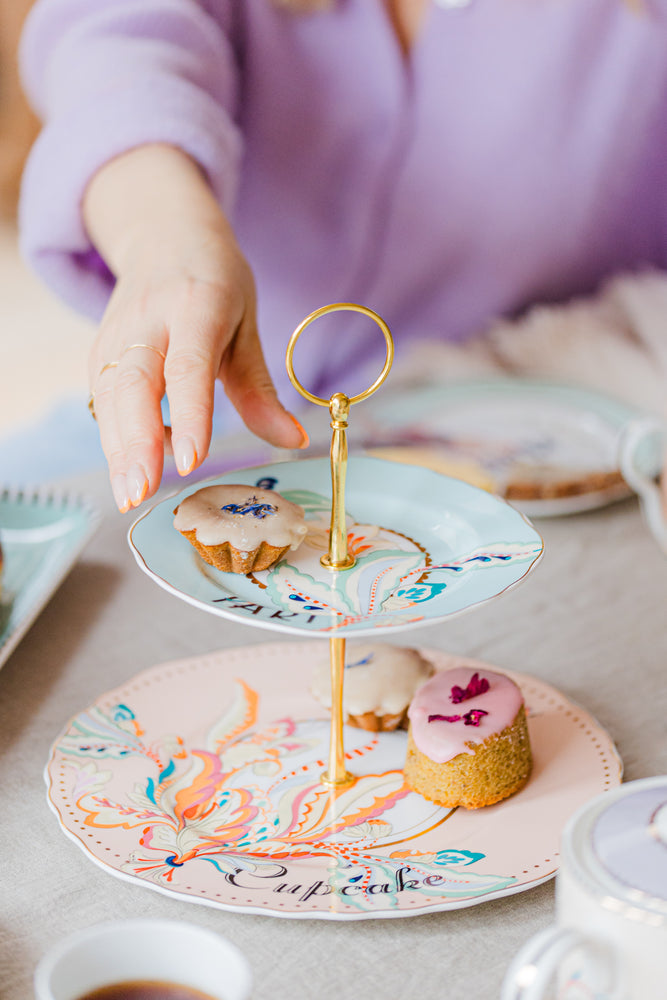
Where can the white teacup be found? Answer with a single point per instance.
(134, 950)
(642, 450)
(610, 937)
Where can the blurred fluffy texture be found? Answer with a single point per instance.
(615, 342)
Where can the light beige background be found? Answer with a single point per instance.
(44, 344)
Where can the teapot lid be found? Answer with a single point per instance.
(620, 839)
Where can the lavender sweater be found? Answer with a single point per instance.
(519, 155)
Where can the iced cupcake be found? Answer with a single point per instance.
(378, 684)
(240, 529)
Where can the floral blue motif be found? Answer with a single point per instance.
(253, 507)
(421, 592)
(454, 857)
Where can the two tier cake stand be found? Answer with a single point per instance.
(221, 779)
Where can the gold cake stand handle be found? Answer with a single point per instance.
(338, 557)
(339, 407)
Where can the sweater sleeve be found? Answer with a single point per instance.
(106, 77)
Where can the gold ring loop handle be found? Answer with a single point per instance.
(323, 311)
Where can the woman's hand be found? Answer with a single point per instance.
(181, 315)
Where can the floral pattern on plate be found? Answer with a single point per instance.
(201, 778)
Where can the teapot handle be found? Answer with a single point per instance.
(642, 475)
(533, 968)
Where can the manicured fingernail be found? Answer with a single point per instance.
(120, 494)
(305, 440)
(185, 455)
(137, 484)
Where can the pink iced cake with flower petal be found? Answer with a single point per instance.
(468, 740)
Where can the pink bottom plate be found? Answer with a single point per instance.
(200, 778)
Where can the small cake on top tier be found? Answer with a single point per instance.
(240, 529)
(378, 683)
(468, 740)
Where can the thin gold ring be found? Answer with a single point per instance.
(114, 364)
(148, 347)
(91, 398)
(323, 311)
(109, 364)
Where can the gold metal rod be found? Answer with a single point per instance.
(336, 776)
(338, 557)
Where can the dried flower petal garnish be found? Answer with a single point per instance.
(471, 718)
(253, 507)
(476, 686)
(474, 716)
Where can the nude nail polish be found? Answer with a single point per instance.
(120, 493)
(185, 455)
(137, 484)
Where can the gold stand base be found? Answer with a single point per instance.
(328, 563)
(337, 781)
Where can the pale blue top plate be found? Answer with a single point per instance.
(427, 547)
(41, 535)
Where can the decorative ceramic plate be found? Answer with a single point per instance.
(427, 547)
(550, 449)
(200, 778)
(41, 535)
